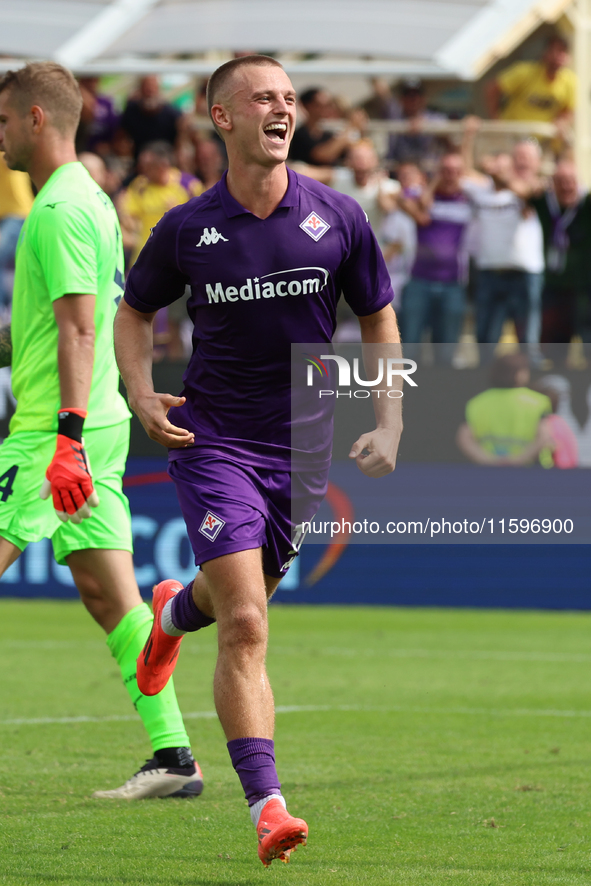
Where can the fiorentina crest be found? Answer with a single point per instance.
(211, 526)
(314, 226)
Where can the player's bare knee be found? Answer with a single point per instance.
(245, 627)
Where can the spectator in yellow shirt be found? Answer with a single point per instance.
(544, 90)
(16, 199)
(157, 188)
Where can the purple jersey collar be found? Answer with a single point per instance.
(232, 207)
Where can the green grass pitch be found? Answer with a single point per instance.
(423, 747)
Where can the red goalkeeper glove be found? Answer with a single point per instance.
(68, 477)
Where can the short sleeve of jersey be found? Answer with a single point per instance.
(155, 280)
(364, 278)
(65, 244)
(514, 77)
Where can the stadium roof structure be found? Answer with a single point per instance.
(429, 38)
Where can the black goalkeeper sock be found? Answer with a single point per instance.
(175, 758)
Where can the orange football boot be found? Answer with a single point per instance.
(279, 833)
(157, 660)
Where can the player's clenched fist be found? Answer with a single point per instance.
(68, 477)
(375, 452)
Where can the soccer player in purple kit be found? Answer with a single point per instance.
(266, 253)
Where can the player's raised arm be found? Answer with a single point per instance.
(375, 452)
(133, 350)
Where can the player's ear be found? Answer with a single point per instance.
(221, 117)
(37, 118)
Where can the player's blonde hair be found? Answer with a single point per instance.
(50, 86)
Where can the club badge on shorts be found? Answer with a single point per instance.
(211, 526)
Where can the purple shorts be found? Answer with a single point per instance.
(230, 507)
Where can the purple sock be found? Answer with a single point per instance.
(185, 615)
(254, 761)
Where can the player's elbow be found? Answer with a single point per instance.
(87, 336)
(78, 334)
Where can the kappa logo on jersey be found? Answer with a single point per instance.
(211, 526)
(211, 236)
(314, 226)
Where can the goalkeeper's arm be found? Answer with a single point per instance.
(68, 477)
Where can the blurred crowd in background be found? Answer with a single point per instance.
(481, 245)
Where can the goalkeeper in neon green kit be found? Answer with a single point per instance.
(60, 344)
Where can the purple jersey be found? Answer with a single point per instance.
(105, 122)
(256, 286)
(440, 243)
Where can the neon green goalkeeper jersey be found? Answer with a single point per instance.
(70, 244)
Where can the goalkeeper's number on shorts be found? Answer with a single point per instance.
(68, 478)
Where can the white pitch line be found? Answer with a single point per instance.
(304, 709)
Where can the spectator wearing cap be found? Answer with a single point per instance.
(416, 146)
(543, 90)
(148, 117)
(435, 296)
(317, 146)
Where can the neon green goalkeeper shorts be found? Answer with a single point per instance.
(24, 517)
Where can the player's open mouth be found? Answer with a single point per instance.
(277, 132)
